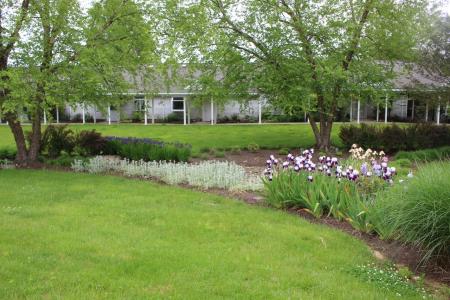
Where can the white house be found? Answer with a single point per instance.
(175, 99)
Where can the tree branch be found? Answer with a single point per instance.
(18, 25)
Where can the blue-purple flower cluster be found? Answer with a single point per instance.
(147, 141)
(329, 166)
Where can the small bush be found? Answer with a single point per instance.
(283, 151)
(175, 117)
(418, 211)
(204, 156)
(137, 116)
(57, 139)
(205, 149)
(403, 162)
(235, 149)
(427, 155)
(219, 154)
(90, 142)
(253, 147)
(64, 160)
(8, 153)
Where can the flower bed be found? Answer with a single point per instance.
(208, 174)
(328, 186)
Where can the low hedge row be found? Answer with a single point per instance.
(426, 155)
(147, 149)
(394, 138)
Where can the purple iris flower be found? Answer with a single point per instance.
(364, 169)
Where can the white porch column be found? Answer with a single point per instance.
(184, 112)
(438, 115)
(188, 106)
(83, 112)
(351, 110)
(378, 113)
(359, 109)
(259, 112)
(145, 111)
(109, 115)
(57, 115)
(45, 117)
(426, 112)
(386, 109)
(153, 111)
(212, 111)
(95, 114)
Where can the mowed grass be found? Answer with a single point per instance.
(80, 236)
(200, 136)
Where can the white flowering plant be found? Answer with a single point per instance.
(206, 174)
(360, 154)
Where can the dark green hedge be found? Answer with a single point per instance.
(394, 138)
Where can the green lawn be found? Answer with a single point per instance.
(79, 236)
(271, 136)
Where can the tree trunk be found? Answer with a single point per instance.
(322, 134)
(19, 137)
(35, 143)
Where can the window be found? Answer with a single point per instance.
(139, 103)
(177, 104)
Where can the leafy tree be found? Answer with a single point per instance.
(316, 55)
(69, 57)
(12, 18)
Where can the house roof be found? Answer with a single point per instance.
(413, 76)
(409, 76)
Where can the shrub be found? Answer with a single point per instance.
(89, 142)
(235, 149)
(219, 154)
(175, 117)
(147, 149)
(7, 153)
(283, 151)
(253, 147)
(404, 162)
(205, 149)
(425, 155)
(65, 160)
(418, 211)
(394, 138)
(57, 139)
(137, 116)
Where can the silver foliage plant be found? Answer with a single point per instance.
(207, 174)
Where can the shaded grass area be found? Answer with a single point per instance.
(200, 136)
(80, 236)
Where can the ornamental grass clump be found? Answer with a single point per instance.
(418, 211)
